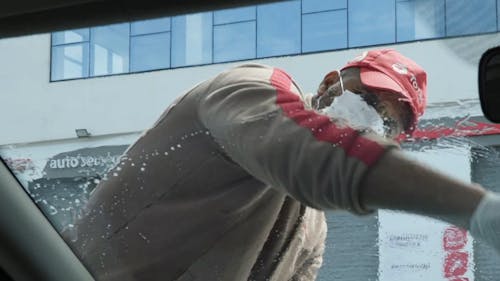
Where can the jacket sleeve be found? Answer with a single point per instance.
(258, 119)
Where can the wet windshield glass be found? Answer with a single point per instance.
(74, 102)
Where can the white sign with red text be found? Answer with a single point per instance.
(416, 248)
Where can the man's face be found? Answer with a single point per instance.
(393, 111)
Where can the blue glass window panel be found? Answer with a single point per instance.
(311, 6)
(405, 20)
(278, 29)
(150, 26)
(192, 39)
(371, 22)
(470, 17)
(234, 15)
(324, 31)
(420, 19)
(70, 36)
(148, 52)
(234, 41)
(109, 49)
(70, 61)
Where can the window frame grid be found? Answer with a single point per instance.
(84, 56)
(256, 25)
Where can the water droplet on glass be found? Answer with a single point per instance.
(52, 210)
(143, 237)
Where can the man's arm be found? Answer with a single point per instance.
(399, 183)
(263, 126)
(265, 129)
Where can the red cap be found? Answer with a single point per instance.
(388, 70)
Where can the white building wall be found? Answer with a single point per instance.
(34, 109)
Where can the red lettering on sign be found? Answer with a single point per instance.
(454, 238)
(455, 264)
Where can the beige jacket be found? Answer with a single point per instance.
(227, 185)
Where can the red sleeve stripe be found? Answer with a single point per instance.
(322, 128)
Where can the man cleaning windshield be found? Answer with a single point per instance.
(232, 180)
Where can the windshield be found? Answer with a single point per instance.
(75, 101)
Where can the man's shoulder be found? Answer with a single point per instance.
(252, 70)
(244, 73)
(253, 65)
(257, 67)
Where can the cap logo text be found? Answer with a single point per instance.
(414, 84)
(400, 68)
